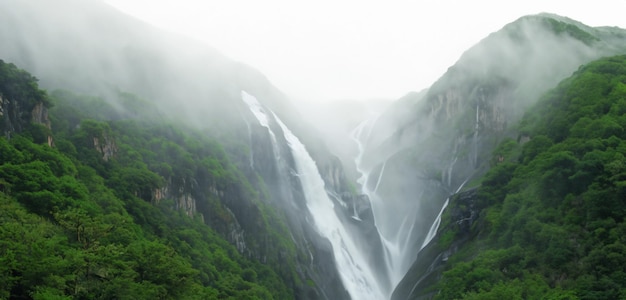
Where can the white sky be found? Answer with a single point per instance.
(353, 49)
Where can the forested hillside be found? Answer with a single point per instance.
(164, 170)
(96, 204)
(552, 209)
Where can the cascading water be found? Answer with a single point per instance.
(435, 226)
(356, 274)
(396, 222)
(394, 241)
(397, 228)
(259, 112)
(251, 162)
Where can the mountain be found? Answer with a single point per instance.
(145, 165)
(414, 161)
(100, 51)
(545, 221)
(121, 84)
(96, 205)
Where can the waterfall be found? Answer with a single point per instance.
(475, 137)
(259, 112)
(433, 228)
(396, 221)
(356, 274)
(357, 136)
(261, 115)
(393, 246)
(355, 214)
(250, 141)
(380, 177)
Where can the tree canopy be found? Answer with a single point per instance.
(81, 218)
(552, 222)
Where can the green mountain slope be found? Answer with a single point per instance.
(191, 91)
(94, 205)
(429, 146)
(548, 220)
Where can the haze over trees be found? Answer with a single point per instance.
(552, 209)
(80, 223)
(142, 171)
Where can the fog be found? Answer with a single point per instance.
(352, 50)
(90, 47)
(412, 162)
(406, 151)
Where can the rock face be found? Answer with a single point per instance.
(105, 145)
(39, 115)
(431, 260)
(270, 160)
(12, 116)
(193, 83)
(9, 112)
(446, 139)
(186, 203)
(15, 116)
(23, 105)
(184, 200)
(333, 174)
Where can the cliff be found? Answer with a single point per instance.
(428, 146)
(532, 228)
(457, 230)
(472, 108)
(180, 81)
(21, 102)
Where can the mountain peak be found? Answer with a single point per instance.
(558, 25)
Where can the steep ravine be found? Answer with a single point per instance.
(285, 201)
(200, 88)
(337, 217)
(413, 163)
(420, 279)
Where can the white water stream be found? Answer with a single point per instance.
(395, 222)
(356, 274)
(394, 241)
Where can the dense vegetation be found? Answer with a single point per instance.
(86, 218)
(552, 209)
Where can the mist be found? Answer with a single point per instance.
(100, 51)
(92, 49)
(430, 145)
(351, 50)
(360, 183)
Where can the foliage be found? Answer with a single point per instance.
(555, 216)
(560, 27)
(16, 84)
(81, 220)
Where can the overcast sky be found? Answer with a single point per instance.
(353, 49)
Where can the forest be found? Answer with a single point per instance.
(96, 201)
(83, 214)
(552, 207)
